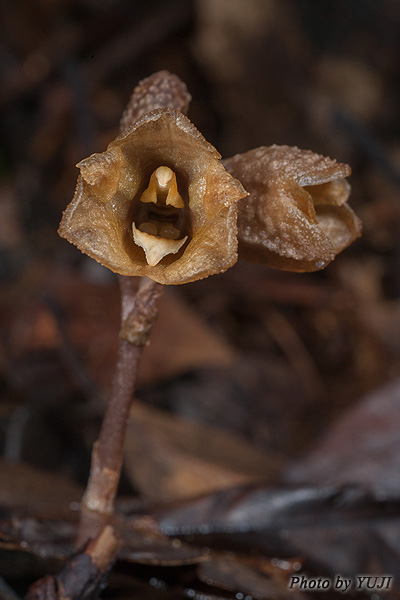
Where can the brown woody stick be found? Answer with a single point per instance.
(139, 311)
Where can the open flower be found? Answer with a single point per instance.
(296, 217)
(158, 202)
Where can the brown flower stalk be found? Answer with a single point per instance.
(140, 299)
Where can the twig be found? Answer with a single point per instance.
(14, 433)
(139, 299)
(84, 575)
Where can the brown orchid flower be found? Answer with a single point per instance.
(296, 216)
(160, 203)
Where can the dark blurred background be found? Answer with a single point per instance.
(283, 356)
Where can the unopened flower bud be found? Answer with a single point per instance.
(296, 216)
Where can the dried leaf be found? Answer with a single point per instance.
(143, 542)
(180, 342)
(185, 459)
(53, 537)
(24, 486)
(230, 573)
(303, 521)
(362, 447)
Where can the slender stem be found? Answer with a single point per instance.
(139, 299)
